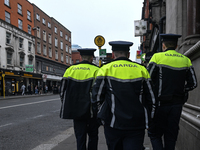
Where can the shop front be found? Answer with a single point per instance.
(12, 81)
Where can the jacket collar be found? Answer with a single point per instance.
(84, 62)
(122, 58)
(169, 49)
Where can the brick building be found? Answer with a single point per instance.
(76, 57)
(17, 50)
(19, 13)
(53, 47)
(178, 17)
(34, 48)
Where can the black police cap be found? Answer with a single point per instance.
(120, 45)
(170, 37)
(87, 51)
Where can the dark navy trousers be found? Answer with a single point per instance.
(85, 127)
(163, 131)
(124, 139)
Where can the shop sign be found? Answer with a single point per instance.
(140, 27)
(28, 75)
(29, 68)
(138, 54)
(9, 73)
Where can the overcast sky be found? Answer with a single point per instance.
(112, 19)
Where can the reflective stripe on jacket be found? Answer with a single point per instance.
(76, 87)
(172, 75)
(123, 94)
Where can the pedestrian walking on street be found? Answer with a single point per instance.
(76, 86)
(173, 77)
(23, 89)
(123, 97)
(36, 89)
(46, 89)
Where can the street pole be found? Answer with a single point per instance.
(3, 75)
(99, 58)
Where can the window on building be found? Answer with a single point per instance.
(43, 21)
(38, 32)
(29, 29)
(70, 51)
(30, 61)
(21, 43)
(61, 34)
(28, 15)
(8, 38)
(6, 2)
(61, 45)
(62, 57)
(49, 24)
(77, 60)
(29, 46)
(56, 55)
(37, 66)
(69, 39)
(50, 38)
(66, 37)
(50, 52)
(70, 60)
(20, 24)
(7, 16)
(19, 9)
(44, 36)
(55, 29)
(38, 17)
(9, 58)
(56, 42)
(67, 48)
(44, 50)
(38, 48)
(21, 63)
(67, 61)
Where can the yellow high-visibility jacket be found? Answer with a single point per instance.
(172, 75)
(76, 86)
(123, 93)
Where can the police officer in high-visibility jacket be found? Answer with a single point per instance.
(76, 92)
(124, 99)
(172, 76)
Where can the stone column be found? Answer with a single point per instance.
(193, 17)
(193, 25)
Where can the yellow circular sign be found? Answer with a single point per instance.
(99, 40)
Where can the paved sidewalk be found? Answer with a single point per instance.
(25, 96)
(70, 143)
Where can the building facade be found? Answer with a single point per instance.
(178, 17)
(76, 57)
(17, 44)
(53, 48)
(35, 49)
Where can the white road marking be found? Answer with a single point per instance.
(28, 104)
(55, 111)
(56, 140)
(6, 125)
(38, 116)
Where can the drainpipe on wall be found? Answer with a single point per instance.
(160, 32)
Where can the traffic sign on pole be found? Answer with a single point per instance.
(99, 41)
(102, 53)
